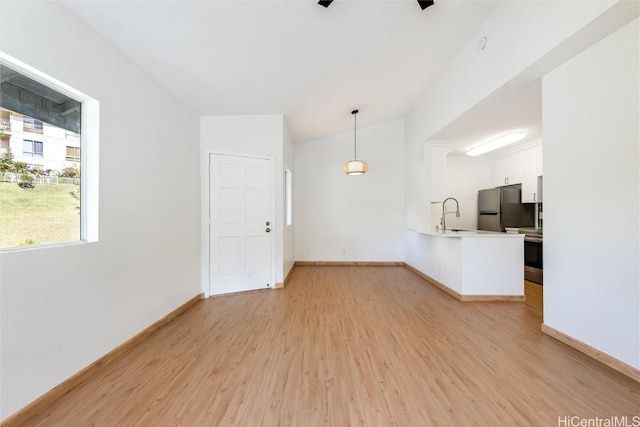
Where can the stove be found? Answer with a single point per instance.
(532, 254)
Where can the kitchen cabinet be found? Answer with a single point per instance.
(477, 264)
(531, 193)
(509, 169)
(521, 167)
(539, 152)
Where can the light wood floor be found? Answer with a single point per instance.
(349, 345)
(533, 292)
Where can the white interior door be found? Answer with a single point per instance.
(240, 223)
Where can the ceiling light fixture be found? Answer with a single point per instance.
(496, 142)
(355, 167)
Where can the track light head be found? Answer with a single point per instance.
(425, 4)
(325, 3)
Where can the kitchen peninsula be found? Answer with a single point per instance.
(474, 265)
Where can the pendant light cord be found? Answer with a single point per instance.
(355, 130)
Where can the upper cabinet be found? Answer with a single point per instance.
(539, 153)
(509, 169)
(531, 193)
(521, 167)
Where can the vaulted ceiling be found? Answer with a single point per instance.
(291, 57)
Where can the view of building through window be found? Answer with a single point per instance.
(39, 181)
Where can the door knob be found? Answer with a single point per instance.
(267, 229)
(268, 223)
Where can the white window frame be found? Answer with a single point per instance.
(288, 197)
(32, 153)
(89, 147)
(35, 121)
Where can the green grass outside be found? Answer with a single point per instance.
(44, 214)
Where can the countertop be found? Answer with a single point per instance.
(531, 231)
(467, 233)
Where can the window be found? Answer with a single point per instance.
(54, 201)
(32, 125)
(31, 148)
(288, 203)
(73, 154)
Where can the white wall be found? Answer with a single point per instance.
(351, 218)
(261, 135)
(592, 183)
(289, 256)
(62, 308)
(465, 177)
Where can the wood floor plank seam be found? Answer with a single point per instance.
(348, 345)
(594, 353)
(612, 362)
(287, 279)
(49, 398)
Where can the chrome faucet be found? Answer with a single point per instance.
(444, 212)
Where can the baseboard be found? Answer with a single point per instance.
(434, 282)
(43, 402)
(503, 298)
(592, 352)
(350, 263)
(465, 298)
(287, 279)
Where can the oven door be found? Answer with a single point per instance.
(533, 252)
(533, 259)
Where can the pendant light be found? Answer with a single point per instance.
(355, 166)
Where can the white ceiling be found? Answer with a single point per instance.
(291, 57)
(516, 106)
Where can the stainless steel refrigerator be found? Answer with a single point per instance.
(501, 207)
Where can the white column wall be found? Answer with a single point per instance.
(350, 218)
(62, 308)
(591, 200)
